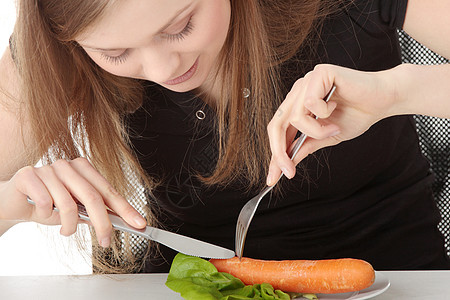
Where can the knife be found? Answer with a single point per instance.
(178, 242)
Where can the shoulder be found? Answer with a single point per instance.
(363, 35)
(384, 13)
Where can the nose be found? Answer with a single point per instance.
(159, 64)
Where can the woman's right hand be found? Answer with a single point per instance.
(60, 185)
(360, 100)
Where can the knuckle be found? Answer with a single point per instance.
(317, 67)
(25, 173)
(320, 68)
(68, 208)
(291, 93)
(309, 74)
(111, 192)
(43, 202)
(309, 102)
(91, 197)
(82, 161)
(60, 163)
(276, 157)
(298, 82)
(46, 170)
(271, 127)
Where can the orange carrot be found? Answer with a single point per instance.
(302, 276)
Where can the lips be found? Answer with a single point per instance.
(186, 76)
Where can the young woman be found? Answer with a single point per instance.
(179, 94)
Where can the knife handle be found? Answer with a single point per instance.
(175, 241)
(116, 221)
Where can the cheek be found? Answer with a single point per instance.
(213, 27)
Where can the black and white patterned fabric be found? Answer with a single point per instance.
(138, 199)
(433, 135)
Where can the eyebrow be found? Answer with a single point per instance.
(164, 27)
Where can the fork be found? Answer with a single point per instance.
(249, 209)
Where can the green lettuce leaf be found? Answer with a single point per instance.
(198, 279)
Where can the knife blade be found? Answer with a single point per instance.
(178, 242)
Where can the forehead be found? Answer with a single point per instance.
(125, 20)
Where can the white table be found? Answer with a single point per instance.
(404, 285)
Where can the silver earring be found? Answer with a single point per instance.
(245, 92)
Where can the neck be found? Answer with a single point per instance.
(211, 90)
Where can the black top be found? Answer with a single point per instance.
(367, 198)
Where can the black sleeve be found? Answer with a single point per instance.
(392, 12)
(387, 13)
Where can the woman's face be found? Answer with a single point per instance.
(174, 43)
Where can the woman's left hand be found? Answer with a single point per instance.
(360, 100)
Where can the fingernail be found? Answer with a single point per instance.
(288, 173)
(105, 242)
(140, 221)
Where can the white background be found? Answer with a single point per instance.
(28, 248)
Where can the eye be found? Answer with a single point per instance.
(120, 59)
(182, 34)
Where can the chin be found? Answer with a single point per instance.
(184, 86)
(177, 88)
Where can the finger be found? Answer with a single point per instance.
(110, 195)
(281, 133)
(29, 184)
(320, 84)
(68, 211)
(312, 145)
(273, 174)
(316, 93)
(313, 127)
(274, 171)
(291, 132)
(277, 132)
(83, 191)
(319, 108)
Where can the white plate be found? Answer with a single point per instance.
(379, 286)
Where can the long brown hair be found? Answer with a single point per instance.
(60, 83)
(75, 108)
(263, 35)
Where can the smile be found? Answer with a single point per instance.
(186, 76)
